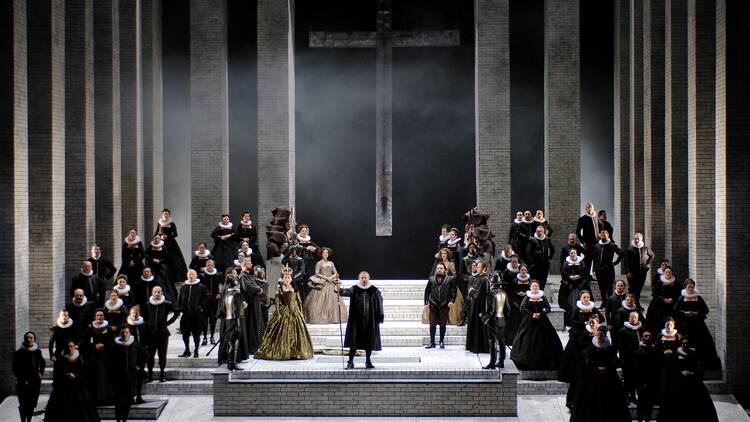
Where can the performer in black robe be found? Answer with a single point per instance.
(690, 312)
(476, 334)
(252, 288)
(99, 341)
(157, 259)
(192, 305)
(614, 303)
(231, 314)
(539, 220)
(93, 287)
(167, 230)
(439, 296)
(125, 360)
(600, 396)
(294, 261)
(526, 231)
(587, 230)
(623, 315)
(536, 346)
(685, 396)
(503, 259)
(665, 295)
(579, 339)
(604, 224)
(137, 328)
(65, 329)
(629, 337)
(467, 281)
(115, 311)
(247, 232)
(579, 347)
(79, 309)
(454, 246)
(212, 280)
(540, 251)
(515, 239)
(365, 316)
(496, 310)
(647, 369)
(28, 368)
(123, 290)
(636, 265)
(102, 267)
(223, 236)
(156, 313)
(572, 244)
(309, 250)
(604, 265)
(201, 257)
(516, 288)
(133, 255)
(574, 279)
(70, 399)
(143, 285)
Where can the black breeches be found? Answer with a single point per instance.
(606, 280)
(158, 345)
(635, 286)
(28, 396)
(495, 336)
(540, 273)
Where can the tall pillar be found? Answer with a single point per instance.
(653, 124)
(131, 135)
(79, 134)
(107, 128)
(276, 153)
(701, 147)
(209, 105)
(46, 76)
(675, 134)
(621, 221)
(153, 113)
(492, 110)
(562, 116)
(636, 118)
(14, 184)
(732, 193)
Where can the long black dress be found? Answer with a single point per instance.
(124, 362)
(579, 341)
(365, 316)
(61, 333)
(694, 326)
(223, 250)
(658, 309)
(174, 255)
(133, 255)
(158, 260)
(98, 382)
(647, 361)
(28, 368)
(70, 400)
(600, 395)
(476, 334)
(570, 289)
(537, 346)
(685, 396)
(516, 290)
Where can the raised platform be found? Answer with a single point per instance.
(150, 410)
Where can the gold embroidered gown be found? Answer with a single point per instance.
(286, 335)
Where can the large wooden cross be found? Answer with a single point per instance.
(383, 40)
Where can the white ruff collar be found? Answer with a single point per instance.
(589, 329)
(533, 295)
(540, 221)
(132, 321)
(304, 239)
(204, 254)
(237, 263)
(191, 283)
(667, 281)
(157, 245)
(517, 221)
(536, 236)
(210, 272)
(135, 241)
(114, 307)
(637, 245)
(633, 327)
(660, 271)
(148, 279)
(97, 325)
(66, 325)
(600, 345)
(130, 341)
(247, 223)
(578, 260)
(629, 308)
(453, 242)
(524, 279)
(225, 226)
(510, 268)
(527, 221)
(601, 242)
(687, 295)
(366, 286)
(504, 256)
(666, 334)
(682, 352)
(154, 301)
(164, 223)
(248, 252)
(123, 291)
(72, 357)
(593, 215)
(88, 274)
(443, 239)
(34, 347)
(83, 302)
(583, 307)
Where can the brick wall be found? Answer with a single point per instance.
(14, 184)
(562, 116)
(107, 128)
(46, 137)
(675, 134)
(276, 152)
(492, 111)
(621, 215)
(636, 118)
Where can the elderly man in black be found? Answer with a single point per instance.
(191, 304)
(365, 317)
(93, 287)
(156, 313)
(439, 297)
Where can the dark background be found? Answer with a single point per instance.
(433, 125)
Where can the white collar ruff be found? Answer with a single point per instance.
(34, 347)
(165, 223)
(510, 268)
(154, 301)
(660, 271)
(527, 221)
(210, 272)
(148, 279)
(536, 236)
(72, 357)
(454, 241)
(135, 241)
(88, 274)
(682, 352)
(589, 329)
(83, 302)
(666, 334)
(629, 308)
(687, 295)
(132, 321)
(583, 307)
(205, 254)
(667, 281)
(225, 226)
(540, 221)
(601, 242)
(123, 291)
(637, 245)
(517, 221)
(118, 303)
(66, 325)
(366, 286)
(303, 239)
(524, 279)
(633, 327)
(443, 239)
(593, 215)
(97, 325)
(119, 341)
(191, 283)
(578, 260)
(248, 252)
(533, 295)
(247, 223)
(504, 256)
(600, 345)
(157, 245)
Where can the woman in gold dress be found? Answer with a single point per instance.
(322, 303)
(286, 335)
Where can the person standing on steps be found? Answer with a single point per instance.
(439, 297)
(365, 317)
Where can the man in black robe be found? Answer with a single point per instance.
(439, 296)
(231, 313)
(212, 279)
(476, 334)
(141, 288)
(137, 328)
(539, 250)
(124, 362)
(604, 224)
(80, 310)
(156, 313)
(614, 303)
(648, 364)
(604, 264)
(629, 338)
(572, 244)
(93, 287)
(496, 308)
(191, 304)
(252, 290)
(638, 257)
(102, 267)
(365, 316)
(514, 234)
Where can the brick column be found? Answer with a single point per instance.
(14, 185)
(79, 134)
(276, 153)
(621, 220)
(131, 131)
(675, 133)
(209, 104)
(492, 110)
(636, 118)
(701, 147)
(732, 194)
(46, 76)
(107, 128)
(562, 116)
(153, 113)
(653, 124)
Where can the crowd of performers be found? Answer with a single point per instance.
(662, 352)
(105, 342)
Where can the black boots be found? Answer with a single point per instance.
(350, 365)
